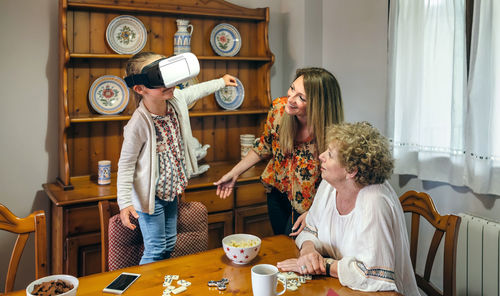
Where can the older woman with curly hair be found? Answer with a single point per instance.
(355, 229)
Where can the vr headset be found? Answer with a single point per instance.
(166, 72)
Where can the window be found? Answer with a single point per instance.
(443, 127)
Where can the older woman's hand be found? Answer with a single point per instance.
(310, 260)
(301, 221)
(289, 265)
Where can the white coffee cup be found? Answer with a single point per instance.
(265, 280)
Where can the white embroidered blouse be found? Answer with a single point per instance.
(371, 242)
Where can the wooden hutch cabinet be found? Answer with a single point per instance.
(85, 137)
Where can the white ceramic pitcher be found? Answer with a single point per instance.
(182, 38)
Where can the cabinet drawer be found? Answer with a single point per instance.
(250, 194)
(82, 219)
(210, 200)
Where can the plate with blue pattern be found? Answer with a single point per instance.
(108, 95)
(126, 34)
(231, 97)
(225, 40)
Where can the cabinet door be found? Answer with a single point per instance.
(83, 254)
(219, 226)
(253, 220)
(82, 219)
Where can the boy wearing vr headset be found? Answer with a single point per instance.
(156, 160)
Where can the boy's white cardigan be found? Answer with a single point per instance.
(138, 170)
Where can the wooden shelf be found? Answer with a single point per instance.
(201, 58)
(172, 9)
(82, 118)
(87, 190)
(84, 56)
(228, 112)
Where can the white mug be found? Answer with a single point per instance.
(265, 280)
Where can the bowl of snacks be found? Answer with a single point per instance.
(241, 248)
(59, 284)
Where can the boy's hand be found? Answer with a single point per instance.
(229, 80)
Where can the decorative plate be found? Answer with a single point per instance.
(126, 34)
(108, 95)
(190, 82)
(225, 40)
(231, 97)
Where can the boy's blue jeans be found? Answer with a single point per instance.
(159, 230)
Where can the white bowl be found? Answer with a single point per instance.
(67, 278)
(243, 254)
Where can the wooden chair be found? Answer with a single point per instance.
(421, 204)
(126, 245)
(35, 222)
(130, 240)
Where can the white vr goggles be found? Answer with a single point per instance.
(166, 72)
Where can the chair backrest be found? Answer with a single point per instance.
(122, 247)
(192, 229)
(421, 204)
(107, 209)
(35, 222)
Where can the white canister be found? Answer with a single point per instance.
(104, 172)
(246, 142)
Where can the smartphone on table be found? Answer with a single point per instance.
(121, 283)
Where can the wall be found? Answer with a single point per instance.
(276, 26)
(28, 126)
(355, 50)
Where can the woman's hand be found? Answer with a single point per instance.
(226, 184)
(229, 80)
(124, 216)
(301, 221)
(310, 261)
(289, 265)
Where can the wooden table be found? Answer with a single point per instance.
(213, 265)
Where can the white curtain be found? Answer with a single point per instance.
(427, 87)
(483, 128)
(443, 129)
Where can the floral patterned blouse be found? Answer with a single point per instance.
(170, 149)
(297, 174)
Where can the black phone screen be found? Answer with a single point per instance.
(122, 282)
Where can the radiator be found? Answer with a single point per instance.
(478, 257)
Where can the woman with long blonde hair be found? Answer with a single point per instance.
(293, 137)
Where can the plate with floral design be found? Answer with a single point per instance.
(108, 95)
(225, 40)
(126, 34)
(231, 97)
